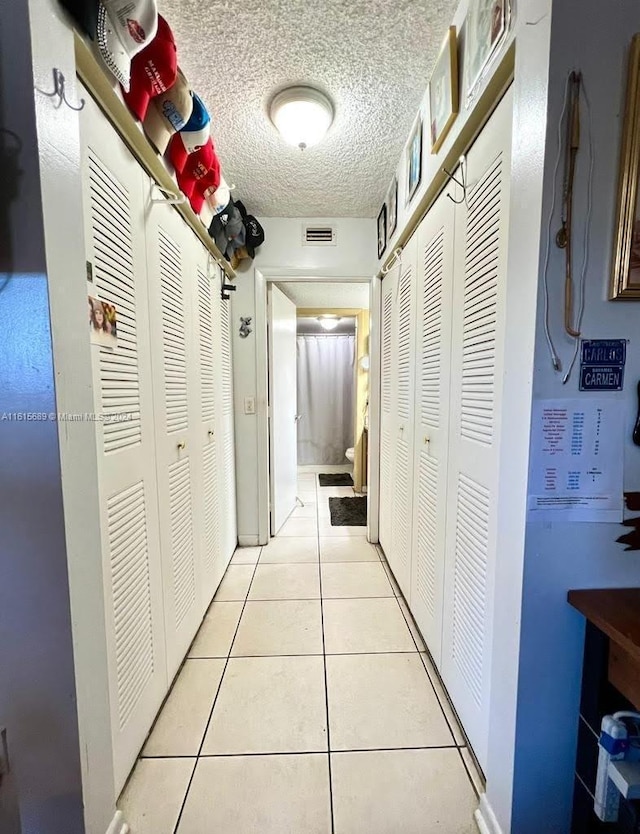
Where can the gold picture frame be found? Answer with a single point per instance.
(444, 99)
(625, 274)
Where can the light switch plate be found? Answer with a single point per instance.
(249, 405)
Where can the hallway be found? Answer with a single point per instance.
(306, 704)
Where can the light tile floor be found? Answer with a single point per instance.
(307, 703)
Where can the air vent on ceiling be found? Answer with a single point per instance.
(318, 236)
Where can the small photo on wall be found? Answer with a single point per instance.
(391, 202)
(414, 161)
(382, 231)
(443, 91)
(103, 326)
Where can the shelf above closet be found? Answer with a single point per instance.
(91, 74)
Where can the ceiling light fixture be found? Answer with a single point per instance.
(302, 115)
(329, 322)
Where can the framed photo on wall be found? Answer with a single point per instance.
(625, 275)
(414, 160)
(391, 202)
(443, 91)
(382, 231)
(484, 28)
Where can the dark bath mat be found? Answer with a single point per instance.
(337, 479)
(350, 512)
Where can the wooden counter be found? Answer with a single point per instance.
(616, 612)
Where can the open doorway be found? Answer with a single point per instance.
(318, 424)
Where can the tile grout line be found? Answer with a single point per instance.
(324, 664)
(215, 699)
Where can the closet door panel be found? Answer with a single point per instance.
(175, 387)
(477, 362)
(403, 411)
(209, 496)
(229, 537)
(388, 383)
(433, 332)
(130, 545)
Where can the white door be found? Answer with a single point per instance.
(282, 406)
(122, 380)
(476, 399)
(403, 414)
(387, 397)
(433, 371)
(227, 470)
(178, 451)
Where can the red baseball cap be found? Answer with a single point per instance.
(209, 182)
(198, 166)
(153, 71)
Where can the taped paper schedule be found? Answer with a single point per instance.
(577, 460)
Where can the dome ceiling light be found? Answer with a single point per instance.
(329, 322)
(302, 115)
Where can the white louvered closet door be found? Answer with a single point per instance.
(403, 417)
(172, 284)
(208, 441)
(434, 286)
(476, 399)
(130, 546)
(388, 383)
(229, 534)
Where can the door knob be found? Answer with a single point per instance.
(182, 445)
(297, 418)
(210, 433)
(427, 440)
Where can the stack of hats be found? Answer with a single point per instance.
(139, 49)
(236, 233)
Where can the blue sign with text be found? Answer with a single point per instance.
(602, 364)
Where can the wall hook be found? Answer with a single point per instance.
(394, 260)
(171, 197)
(462, 183)
(60, 91)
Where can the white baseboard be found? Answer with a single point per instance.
(118, 825)
(248, 541)
(485, 818)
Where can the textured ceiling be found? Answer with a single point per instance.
(317, 295)
(372, 58)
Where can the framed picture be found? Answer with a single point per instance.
(443, 91)
(391, 202)
(485, 27)
(625, 275)
(103, 325)
(414, 160)
(382, 231)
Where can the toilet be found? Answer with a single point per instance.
(350, 454)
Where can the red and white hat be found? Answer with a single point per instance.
(168, 113)
(153, 71)
(125, 28)
(201, 167)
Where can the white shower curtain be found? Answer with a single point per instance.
(326, 380)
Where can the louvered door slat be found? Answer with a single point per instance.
(173, 330)
(111, 219)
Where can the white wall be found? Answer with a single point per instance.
(53, 691)
(593, 37)
(282, 254)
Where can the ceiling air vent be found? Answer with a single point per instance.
(318, 236)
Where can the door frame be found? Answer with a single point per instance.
(272, 274)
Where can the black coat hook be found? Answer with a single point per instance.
(60, 91)
(226, 289)
(462, 184)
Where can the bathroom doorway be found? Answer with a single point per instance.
(329, 421)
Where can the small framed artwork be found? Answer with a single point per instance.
(102, 323)
(414, 160)
(485, 26)
(625, 276)
(382, 231)
(391, 202)
(443, 91)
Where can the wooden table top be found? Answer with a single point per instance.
(615, 611)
